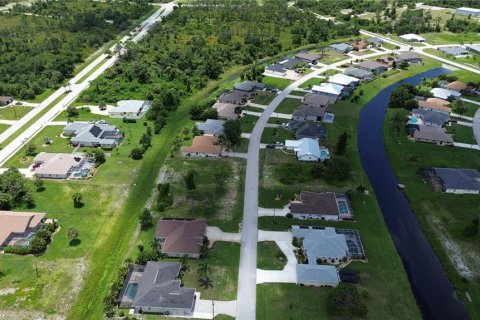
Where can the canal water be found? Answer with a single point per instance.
(433, 291)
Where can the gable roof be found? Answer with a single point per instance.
(322, 203)
(316, 99)
(158, 287)
(182, 236)
(328, 88)
(454, 51)
(432, 133)
(5, 99)
(342, 79)
(17, 222)
(467, 179)
(130, 106)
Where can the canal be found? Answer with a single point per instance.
(433, 291)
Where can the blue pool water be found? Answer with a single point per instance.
(324, 154)
(342, 207)
(328, 117)
(131, 291)
(413, 120)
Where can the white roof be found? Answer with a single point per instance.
(304, 147)
(330, 88)
(342, 79)
(412, 36)
(322, 243)
(468, 9)
(127, 106)
(444, 93)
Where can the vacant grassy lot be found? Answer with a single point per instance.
(269, 256)
(263, 97)
(462, 60)
(13, 112)
(443, 216)
(462, 134)
(311, 82)
(274, 82)
(330, 56)
(298, 93)
(247, 123)
(446, 37)
(84, 114)
(288, 105)
(272, 135)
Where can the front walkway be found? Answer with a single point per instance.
(289, 272)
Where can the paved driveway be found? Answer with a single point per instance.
(204, 309)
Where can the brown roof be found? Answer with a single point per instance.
(438, 101)
(203, 144)
(433, 106)
(316, 203)
(5, 99)
(433, 134)
(371, 65)
(457, 86)
(316, 99)
(225, 110)
(181, 236)
(17, 222)
(360, 44)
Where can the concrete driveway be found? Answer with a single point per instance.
(270, 212)
(204, 309)
(216, 234)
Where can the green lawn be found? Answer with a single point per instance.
(272, 135)
(298, 93)
(248, 122)
(311, 82)
(3, 127)
(84, 114)
(462, 134)
(330, 72)
(269, 256)
(288, 105)
(263, 97)
(446, 37)
(331, 56)
(441, 215)
(278, 83)
(277, 120)
(254, 109)
(471, 108)
(14, 112)
(440, 54)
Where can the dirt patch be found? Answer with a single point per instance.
(6, 291)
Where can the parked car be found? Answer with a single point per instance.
(103, 122)
(270, 146)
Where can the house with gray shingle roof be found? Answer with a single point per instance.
(249, 86)
(375, 41)
(455, 51)
(93, 135)
(431, 118)
(322, 244)
(211, 127)
(308, 129)
(359, 73)
(291, 63)
(473, 47)
(308, 57)
(276, 69)
(154, 288)
(372, 66)
(317, 275)
(308, 113)
(237, 97)
(458, 181)
(341, 47)
(433, 135)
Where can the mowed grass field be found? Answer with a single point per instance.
(14, 112)
(383, 276)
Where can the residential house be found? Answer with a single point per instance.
(468, 11)
(237, 97)
(276, 70)
(181, 237)
(317, 275)
(455, 51)
(331, 90)
(474, 48)
(372, 66)
(389, 61)
(341, 47)
(359, 73)
(291, 63)
(308, 57)
(411, 37)
(430, 105)
(375, 41)
(15, 227)
(307, 149)
(93, 135)
(444, 94)
(226, 110)
(308, 113)
(308, 129)
(62, 165)
(360, 45)
(410, 57)
(458, 181)
(211, 127)
(203, 147)
(433, 135)
(344, 80)
(4, 100)
(130, 109)
(249, 86)
(431, 118)
(316, 100)
(457, 86)
(322, 206)
(154, 288)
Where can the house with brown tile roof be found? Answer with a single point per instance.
(18, 225)
(181, 237)
(322, 206)
(203, 146)
(4, 100)
(438, 101)
(226, 110)
(456, 86)
(429, 105)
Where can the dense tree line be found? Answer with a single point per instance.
(333, 8)
(39, 51)
(456, 25)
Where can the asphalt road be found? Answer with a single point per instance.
(75, 90)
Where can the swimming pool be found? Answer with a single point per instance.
(324, 154)
(343, 207)
(328, 117)
(131, 291)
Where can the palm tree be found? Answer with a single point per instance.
(204, 269)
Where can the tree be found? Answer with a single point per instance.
(31, 150)
(72, 112)
(232, 131)
(14, 189)
(99, 157)
(185, 132)
(403, 97)
(189, 179)
(77, 200)
(136, 154)
(38, 183)
(73, 235)
(341, 145)
(345, 301)
(338, 168)
(146, 219)
(38, 245)
(102, 105)
(203, 268)
(361, 189)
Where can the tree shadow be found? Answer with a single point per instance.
(40, 189)
(75, 242)
(79, 205)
